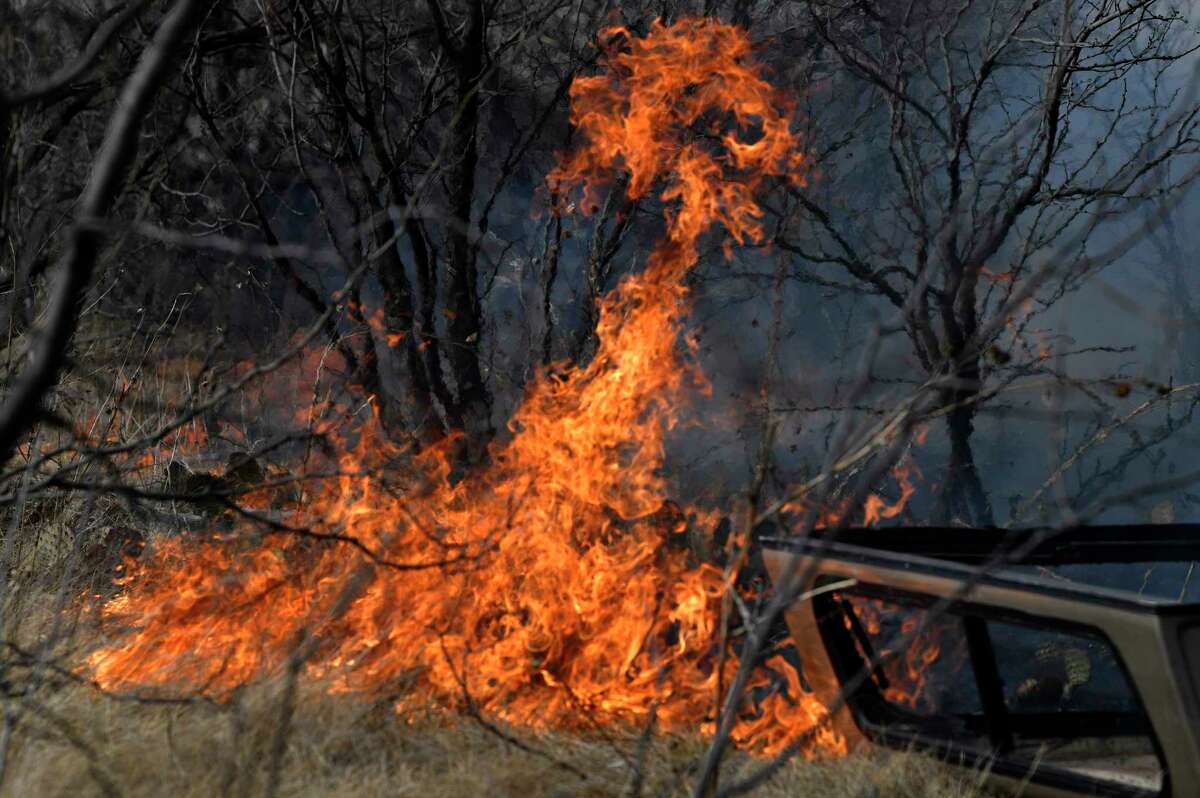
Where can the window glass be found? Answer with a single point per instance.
(1071, 706)
(925, 681)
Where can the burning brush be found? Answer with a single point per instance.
(539, 588)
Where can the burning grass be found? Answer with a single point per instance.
(340, 745)
(542, 584)
(62, 737)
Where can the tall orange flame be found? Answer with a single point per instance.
(550, 595)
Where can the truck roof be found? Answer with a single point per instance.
(1147, 565)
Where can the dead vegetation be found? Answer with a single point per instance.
(61, 736)
(340, 745)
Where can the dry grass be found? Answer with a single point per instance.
(340, 745)
(70, 740)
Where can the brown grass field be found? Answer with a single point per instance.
(76, 742)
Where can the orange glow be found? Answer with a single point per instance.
(907, 672)
(996, 277)
(549, 595)
(877, 509)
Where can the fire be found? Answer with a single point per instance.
(910, 672)
(876, 508)
(916, 675)
(541, 588)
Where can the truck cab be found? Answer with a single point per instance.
(1060, 662)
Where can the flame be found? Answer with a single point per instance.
(876, 508)
(915, 676)
(541, 588)
(909, 673)
(996, 277)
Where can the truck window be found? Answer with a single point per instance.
(924, 684)
(1071, 706)
(1018, 695)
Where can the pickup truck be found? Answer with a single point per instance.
(1061, 662)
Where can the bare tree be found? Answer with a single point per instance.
(367, 97)
(116, 154)
(1002, 129)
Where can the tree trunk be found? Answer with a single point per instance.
(414, 410)
(962, 496)
(425, 329)
(463, 309)
(611, 226)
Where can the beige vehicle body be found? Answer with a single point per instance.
(1071, 670)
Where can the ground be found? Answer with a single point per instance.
(76, 742)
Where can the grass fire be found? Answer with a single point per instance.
(541, 587)
(577, 398)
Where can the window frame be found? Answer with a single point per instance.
(866, 703)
